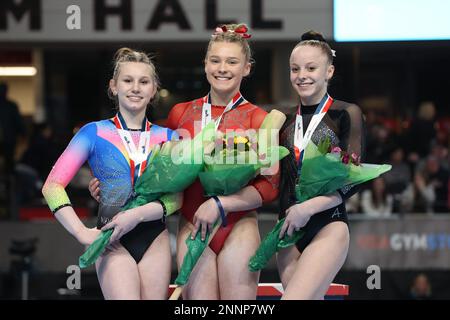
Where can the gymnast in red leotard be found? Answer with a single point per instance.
(222, 271)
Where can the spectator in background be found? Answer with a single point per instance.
(441, 154)
(398, 178)
(422, 132)
(35, 164)
(373, 122)
(431, 185)
(421, 288)
(380, 143)
(353, 204)
(399, 181)
(376, 202)
(42, 152)
(443, 132)
(11, 127)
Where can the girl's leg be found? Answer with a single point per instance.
(286, 262)
(118, 274)
(203, 282)
(319, 263)
(155, 268)
(235, 279)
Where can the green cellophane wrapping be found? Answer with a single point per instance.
(321, 174)
(162, 179)
(325, 173)
(195, 249)
(272, 244)
(164, 175)
(225, 179)
(95, 249)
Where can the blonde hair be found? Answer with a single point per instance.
(130, 55)
(229, 34)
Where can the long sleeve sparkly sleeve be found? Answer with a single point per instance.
(352, 140)
(67, 166)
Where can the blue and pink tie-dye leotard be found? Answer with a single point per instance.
(100, 144)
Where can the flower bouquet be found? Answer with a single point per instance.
(325, 169)
(238, 158)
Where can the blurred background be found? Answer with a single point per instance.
(393, 60)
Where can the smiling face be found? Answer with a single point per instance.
(225, 66)
(310, 73)
(134, 86)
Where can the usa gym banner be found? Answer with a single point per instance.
(411, 242)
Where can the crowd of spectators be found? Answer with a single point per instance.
(418, 151)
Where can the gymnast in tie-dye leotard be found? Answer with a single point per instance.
(100, 144)
(136, 263)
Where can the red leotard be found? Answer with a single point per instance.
(246, 116)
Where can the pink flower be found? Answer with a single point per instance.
(336, 150)
(220, 30)
(345, 158)
(355, 159)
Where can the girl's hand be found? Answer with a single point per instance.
(205, 217)
(297, 216)
(94, 189)
(123, 222)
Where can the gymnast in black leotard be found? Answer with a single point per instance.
(308, 268)
(340, 120)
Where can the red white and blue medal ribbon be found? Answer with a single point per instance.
(300, 140)
(206, 109)
(138, 156)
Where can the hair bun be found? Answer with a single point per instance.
(313, 35)
(123, 52)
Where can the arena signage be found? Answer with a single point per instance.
(406, 243)
(162, 20)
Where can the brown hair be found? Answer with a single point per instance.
(130, 55)
(316, 39)
(233, 33)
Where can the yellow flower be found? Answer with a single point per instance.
(238, 140)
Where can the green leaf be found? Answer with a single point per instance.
(324, 145)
